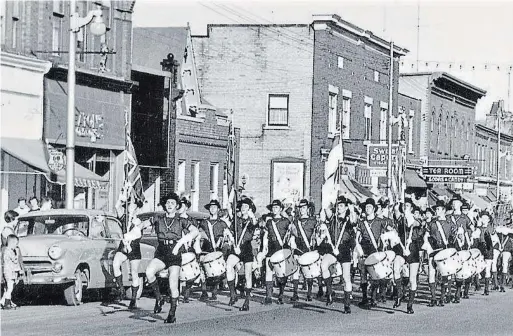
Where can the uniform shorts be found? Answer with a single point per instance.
(135, 254)
(165, 254)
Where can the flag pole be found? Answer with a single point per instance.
(125, 168)
(235, 186)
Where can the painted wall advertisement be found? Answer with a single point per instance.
(288, 181)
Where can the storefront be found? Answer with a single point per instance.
(102, 106)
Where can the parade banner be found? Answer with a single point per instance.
(288, 180)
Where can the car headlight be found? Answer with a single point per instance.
(55, 252)
(57, 267)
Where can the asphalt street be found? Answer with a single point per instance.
(480, 315)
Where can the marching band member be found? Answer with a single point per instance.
(505, 247)
(248, 232)
(194, 246)
(368, 232)
(462, 238)
(437, 237)
(305, 226)
(336, 244)
(171, 242)
(129, 247)
(410, 234)
(485, 245)
(215, 232)
(276, 234)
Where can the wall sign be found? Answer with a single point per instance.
(55, 160)
(288, 180)
(377, 155)
(89, 125)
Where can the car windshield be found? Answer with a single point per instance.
(53, 225)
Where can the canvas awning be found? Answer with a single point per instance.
(478, 201)
(33, 153)
(413, 179)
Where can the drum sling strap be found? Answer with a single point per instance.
(341, 233)
(242, 234)
(369, 231)
(211, 231)
(276, 233)
(442, 233)
(303, 234)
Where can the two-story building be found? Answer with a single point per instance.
(40, 29)
(289, 85)
(190, 137)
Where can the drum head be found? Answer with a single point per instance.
(280, 255)
(309, 258)
(375, 258)
(188, 257)
(444, 254)
(213, 256)
(390, 254)
(475, 253)
(465, 255)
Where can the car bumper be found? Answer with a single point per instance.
(48, 279)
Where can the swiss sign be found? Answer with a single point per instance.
(446, 179)
(447, 171)
(377, 155)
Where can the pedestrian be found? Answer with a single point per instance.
(46, 203)
(34, 203)
(12, 270)
(9, 225)
(22, 207)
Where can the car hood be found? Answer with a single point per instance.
(38, 245)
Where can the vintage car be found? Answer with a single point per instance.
(73, 249)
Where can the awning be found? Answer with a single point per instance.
(492, 195)
(349, 191)
(478, 201)
(34, 154)
(432, 198)
(413, 179)
(442, 192)
(362, 190)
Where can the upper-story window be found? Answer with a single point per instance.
(346, 114)
(383, 117)
(376, 76)
(107, 12)
(214, 180)
(15, 23)
(57, 19)
(368, 118)
(410, 131)
(333, 115)
(278, 110)
(340, 62)
(82, 35)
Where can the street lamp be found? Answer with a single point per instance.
(97, 28)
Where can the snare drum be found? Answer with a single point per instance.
(214, 265)
(479, 262)
(390, 259)
(335, 270)
(446, 262)
(235, 260)
(378, 266)
(190, 268)
(283, 263)
(310, 263)
(467, 266)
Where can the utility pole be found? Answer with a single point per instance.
(390, 116)
(500, 115)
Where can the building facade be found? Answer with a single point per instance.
(351, 81)
(40, 28)
(264, 74)
(190, 136)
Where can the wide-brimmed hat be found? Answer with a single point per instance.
(370, 201)
(185, 201)
(465, 206)
(343, 200)
(212, 202)
(247, 201)
(274, 203)
(172, 196)
(383, 202)
(439, 204)
(303, 202)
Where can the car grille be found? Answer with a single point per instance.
(38, 266)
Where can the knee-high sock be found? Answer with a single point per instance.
(364, 286)
(495, 280)
(487, 284)
(443, 288)
(411, 297)
(459, 283)
(281, 283)
(156, 289)
(383, 285)
(296, 285)
(347, 298)
(248, 295)
(134, 292)
(432, 289)
(172, 310)
(501, 279)
(309, 285)
(119, 282)
(449, 287)
(215, 287)
(269, 289)
(231, 286)
(399, 288)
(329, 285)
(467, 286)
(374, 289)
(320, 282)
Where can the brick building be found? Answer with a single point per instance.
(264, 74)
(351, 79)
(189, 135)
(40, 29)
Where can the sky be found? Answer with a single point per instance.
(469, 39)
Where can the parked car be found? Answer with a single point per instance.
(73, 249)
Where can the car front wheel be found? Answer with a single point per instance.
(74, 293)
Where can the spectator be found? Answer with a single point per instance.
(22, 206)
(46, 204)
(34, 204)
(12, 270)
(11, 219)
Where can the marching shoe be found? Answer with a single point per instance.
(465, 296)
(441, 303)
(320, 293)
(213, 297)
(329, 300)
(233, 300)
(268, 301)
(185, 300)
(372, 303)
(280, 300)
(170, 319)
(347, 309)
(245, 307)
(432, 303)
(309, 298)
(294, 298)
(397, 303)
(204, 296)
(158, 306)
(132, 305)
(502, 290)
(456, 300)
(409, 310)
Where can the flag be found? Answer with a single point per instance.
(331, 186)
(229, 180)
(132, 187)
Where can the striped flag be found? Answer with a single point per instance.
(132, 187)
(229, 180)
